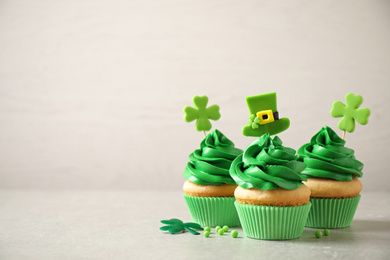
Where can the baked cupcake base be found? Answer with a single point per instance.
(272, 223)
(329, 188)
(334, 203)
(213, 211)
(332, 213)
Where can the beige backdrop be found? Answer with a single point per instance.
(92, 92)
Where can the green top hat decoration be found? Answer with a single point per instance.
(201, 113)
(350, 112)
(264, 116)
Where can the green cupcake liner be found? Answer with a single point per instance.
(332, 213)
(272, 223)
(213, 211)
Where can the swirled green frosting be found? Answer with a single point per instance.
(210, 164)
(266, 164)
(326, 157)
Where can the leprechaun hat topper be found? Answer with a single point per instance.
(264, 116)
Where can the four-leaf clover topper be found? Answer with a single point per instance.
(201, 113)
(350, 112)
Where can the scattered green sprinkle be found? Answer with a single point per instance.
(221, 231)
(225, 228)
(206, 233)
(217, 228)
(234, 233)
(326, 232)
(207, 229)
(318, 234)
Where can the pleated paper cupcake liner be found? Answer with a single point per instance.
(332, 213)
(272, 223)
(213, 211)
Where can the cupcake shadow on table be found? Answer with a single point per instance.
(332, 172)
(271, 201)
(209, 189)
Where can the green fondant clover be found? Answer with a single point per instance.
(201, 113)
(254, 121)
(350, 112)
(175, 225)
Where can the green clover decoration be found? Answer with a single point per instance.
(254, 121)
(350, 112)
(201, 113)
(175, 225)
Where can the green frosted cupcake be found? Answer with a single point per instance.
(209, 189)
(332, 172)
(271, 201)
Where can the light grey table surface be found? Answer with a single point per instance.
(125, 225)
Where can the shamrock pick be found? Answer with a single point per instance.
(201, 113)
(350, 112)
(175, 225)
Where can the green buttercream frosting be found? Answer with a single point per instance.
(210, 164)
(266, 164)
(326, 157)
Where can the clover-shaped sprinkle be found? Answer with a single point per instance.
(175, 225)
(350, 112)
(201, 113)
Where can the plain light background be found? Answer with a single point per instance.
(92, 92)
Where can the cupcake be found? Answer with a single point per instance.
(332, 175)
(209, 189)
(271, 201)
